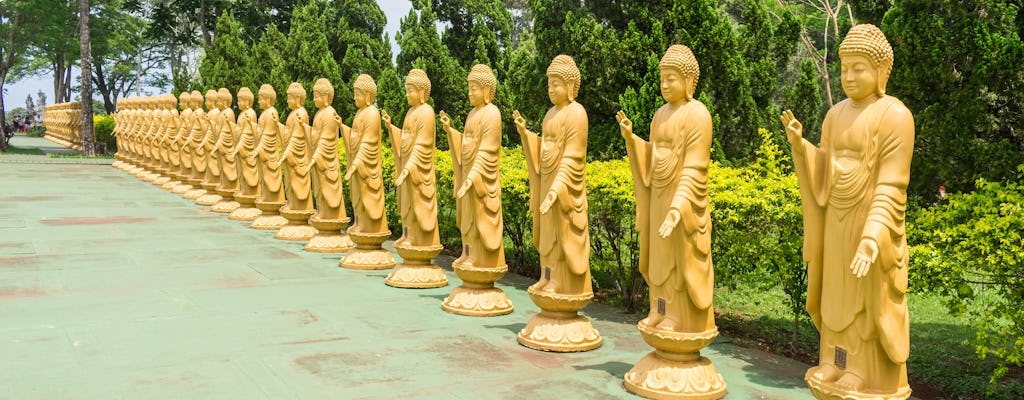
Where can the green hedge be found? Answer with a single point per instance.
(103, 128)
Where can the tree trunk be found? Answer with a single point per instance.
(3, 114)
(88, 139)
(104, 88)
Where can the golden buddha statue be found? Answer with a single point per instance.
(299, 206)
(267, 154)
(244, 152)
(366, 184)
(161, 143)
(476, 162)
(173, 144)
(853, 189)
(556, 164)
(199, 126)
(187, 118)
(670, 177)
(212, 134)
(330, 217)
(226, 139)
(413, 147)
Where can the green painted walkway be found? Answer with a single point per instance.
(111, 288)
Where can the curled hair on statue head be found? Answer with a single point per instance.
(564, 67)
(483, 76)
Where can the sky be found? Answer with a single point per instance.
(15, 93)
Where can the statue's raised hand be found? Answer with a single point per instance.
(794, 129)
(386, 117)
(519, 121)
(625, 125)
(446, 122)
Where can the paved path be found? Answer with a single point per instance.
(111, 288)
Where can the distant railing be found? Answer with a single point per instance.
(63, 123)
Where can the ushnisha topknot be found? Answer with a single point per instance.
(482, 75)
(267, 90)
(225, 95)
(418, 79)
(365, 83)
(323, 86)
(244, 93)
(295, 89)
(564, 68)
(869, 41)
(681, 58)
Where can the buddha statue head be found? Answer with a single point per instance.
(224, 95)
(185, 100)
(245, 98)
(211, 99)
(364, 91)
(679, 74)
(417, 87)
(866, 58)
(563, 80)
(296, 96)
(268, 96)
(197, 100)
(170, 102)
(323, 93)
(483, 85)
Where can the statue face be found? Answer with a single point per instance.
(319, 99)
(674, 87)
(244, 103)
(360, 98)
(478, 94)
(294, 102)
(413, 95)
(558, 91)
(859, 77)
(265, 101)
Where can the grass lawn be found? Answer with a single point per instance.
(942, 365)
(21, 151)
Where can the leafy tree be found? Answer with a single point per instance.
(55, 46)
(971, 251)
(123, 60)
(960, 69)
(804, 98)
(306, 56)
(227, 62)
(18, 19)
(391, 94)
(268, 65)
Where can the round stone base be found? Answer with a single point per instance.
(407, 276)
(194, 194)
(477, 296)
(170, 184)
(366, 259)
(209, 199)
(160, 180)
(245, 214)
(182, 188)
(368, 254)
(226, 205)
(269, 222)
(666, 376)
(329, 242)
(477, 302)
(828, 391)
(417, 271)
(561, 332)
(298, 233)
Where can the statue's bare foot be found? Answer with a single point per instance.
(849, 382)
(652, 320)
(667, 324)
(825, 372)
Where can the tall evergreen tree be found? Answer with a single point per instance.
(227, 61)
(307, 58)
(959, 69)
(268, 65)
